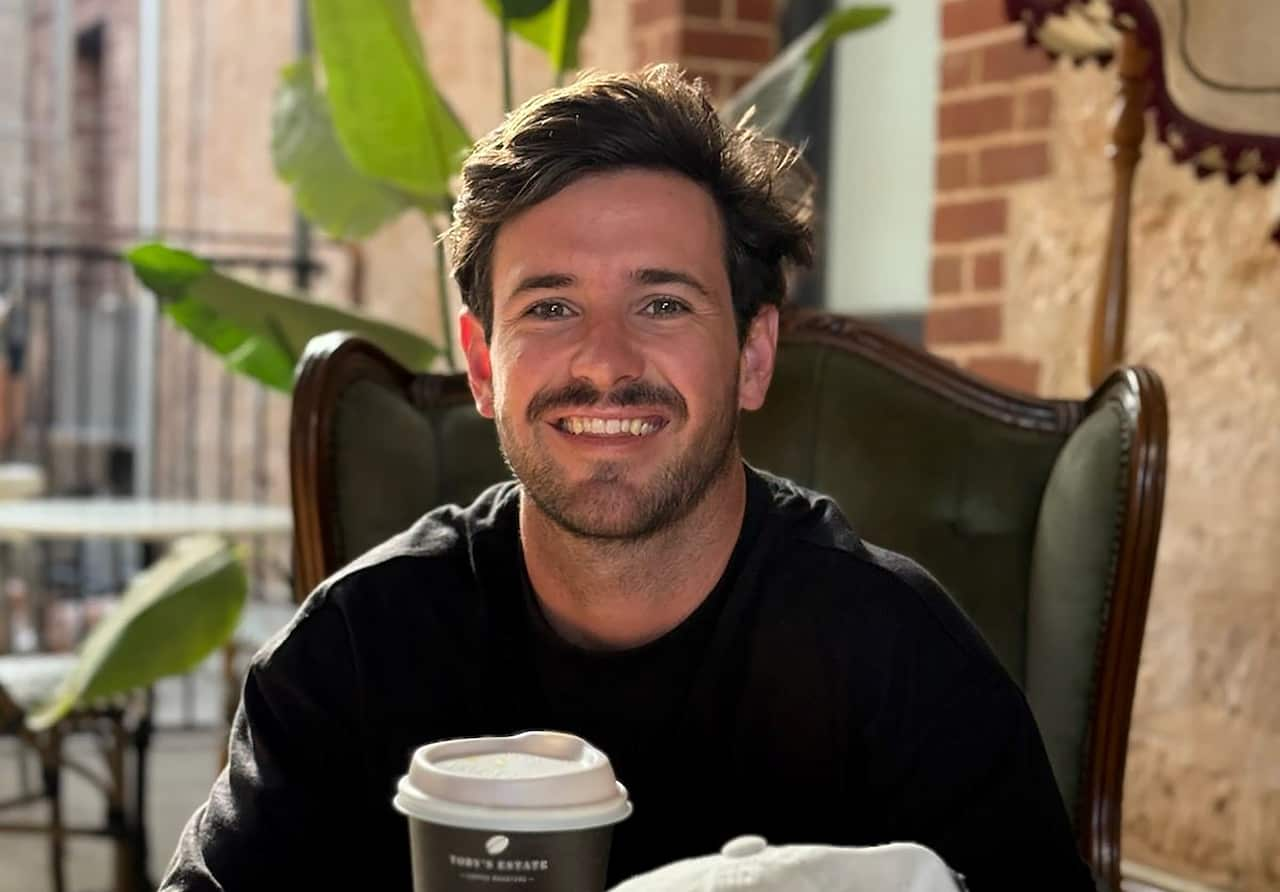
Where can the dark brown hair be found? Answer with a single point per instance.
(652, 119)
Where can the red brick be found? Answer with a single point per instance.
(1013, 59)
(952, 171)
(644, 12)
(1012, 164)
(756, 11)
(956, 69)
(738, 81)
(966, 220)
(988, 271)
(664, 45)
(944, 275)
(708, 8)
(1007, 371)
(963, 325)
(640, 54)
(972, 16)
(974, 117)
(715, 44)
(1036, 109)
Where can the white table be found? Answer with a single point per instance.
(146, 521)
(150, 522)
(141, 520)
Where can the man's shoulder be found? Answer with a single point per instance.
(434, 559)
(831, 570)
(441, 537)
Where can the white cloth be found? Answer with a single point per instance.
(750, 863)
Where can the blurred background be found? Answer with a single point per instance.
(965, 198)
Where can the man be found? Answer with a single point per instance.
(747, 662)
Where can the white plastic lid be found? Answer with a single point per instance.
(538, 781)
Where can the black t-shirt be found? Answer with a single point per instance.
(824, 692)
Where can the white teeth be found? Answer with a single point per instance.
(635, 427)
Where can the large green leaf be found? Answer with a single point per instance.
(392, 121)
(174, 614)
(259, 333)
(307, 155)
(553, 26)
(772, 95)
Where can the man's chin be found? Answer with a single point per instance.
(605, 510)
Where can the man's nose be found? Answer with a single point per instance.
(607, 355)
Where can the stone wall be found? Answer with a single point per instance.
(1202, 795)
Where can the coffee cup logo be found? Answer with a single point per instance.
(496, 845)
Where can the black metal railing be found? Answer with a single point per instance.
(69, 401)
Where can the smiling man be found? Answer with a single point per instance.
(747, 662)
(613, 367)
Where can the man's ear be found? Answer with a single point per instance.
(479, 368)
(755, 361)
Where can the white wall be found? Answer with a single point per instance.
(879, 219)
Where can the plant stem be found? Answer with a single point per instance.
(442, 297)
(505, 53)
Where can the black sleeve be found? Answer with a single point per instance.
(955, 759)
(976, 787)
(282, 814)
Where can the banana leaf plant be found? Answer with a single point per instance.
(380, 139)
(257, 332)
(174, 614)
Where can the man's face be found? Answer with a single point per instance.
(614, 370)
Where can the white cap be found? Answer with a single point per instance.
(539, 781)
(749, 862)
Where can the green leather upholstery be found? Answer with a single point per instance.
(915, 473)
(386, 480)
(1018, 523)
(1071, 570)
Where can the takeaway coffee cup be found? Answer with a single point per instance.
(534, 812)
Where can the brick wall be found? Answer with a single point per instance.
(995, 105)
(724, 42)
(103, 153)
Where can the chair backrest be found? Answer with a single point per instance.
(1040, 517)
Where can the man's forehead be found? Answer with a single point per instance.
(649, 226)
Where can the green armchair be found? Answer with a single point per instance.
(1041, 517)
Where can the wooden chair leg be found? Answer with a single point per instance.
(51, 776)
(138, 820)
(118, 824)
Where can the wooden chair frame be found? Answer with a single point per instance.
(335, 361)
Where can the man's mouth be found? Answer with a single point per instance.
(640, 426)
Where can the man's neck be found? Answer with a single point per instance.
(613, 595)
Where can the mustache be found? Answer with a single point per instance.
(581, 394)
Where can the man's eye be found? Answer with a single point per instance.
(664, 306)
(549, 309)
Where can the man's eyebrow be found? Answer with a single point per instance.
(661, 276)
(543, 282)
